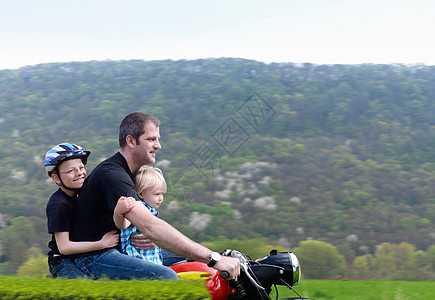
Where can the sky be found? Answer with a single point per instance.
(298, 31)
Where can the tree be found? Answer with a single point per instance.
(319, 260)
(396, 262)
(348, 253)
(423, 268)
(35, 265)
(405, 262)
(384, 261)
(361, 266)
(431, 257)
(16, 240)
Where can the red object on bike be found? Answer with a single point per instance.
(218, 288)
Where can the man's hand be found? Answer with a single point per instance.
(229, 264)
(142, 242)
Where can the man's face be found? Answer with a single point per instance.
(147, 145)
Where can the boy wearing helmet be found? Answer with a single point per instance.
(65, 165)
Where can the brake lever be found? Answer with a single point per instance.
(244, 264)
(253, 281)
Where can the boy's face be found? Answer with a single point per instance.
(72, 172)
(152, 197)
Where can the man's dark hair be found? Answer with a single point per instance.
(133, 124)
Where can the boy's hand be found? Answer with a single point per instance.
(110, 239)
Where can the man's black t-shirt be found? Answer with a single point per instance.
(59, 211)
(93, 212)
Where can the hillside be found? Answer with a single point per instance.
(339, 153)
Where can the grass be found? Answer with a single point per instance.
(348, 289)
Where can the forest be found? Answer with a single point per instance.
(282, 153)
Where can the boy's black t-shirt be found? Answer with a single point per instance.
(59, 212)
(93, 210)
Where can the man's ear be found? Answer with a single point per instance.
(131, 141)
(56, 179)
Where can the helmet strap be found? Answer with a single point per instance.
(70, 189)
(63, 185)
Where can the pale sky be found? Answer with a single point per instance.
(298, 31)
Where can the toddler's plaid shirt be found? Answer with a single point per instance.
(151, 255)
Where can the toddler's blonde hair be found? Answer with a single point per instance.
(148, 177)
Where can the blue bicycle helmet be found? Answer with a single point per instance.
(62, 152)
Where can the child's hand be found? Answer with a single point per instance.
(110, 239)
(124, 205)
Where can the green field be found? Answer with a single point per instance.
(348, 289)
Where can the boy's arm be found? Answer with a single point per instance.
(66, 247)
(120, 221)
(123, 206)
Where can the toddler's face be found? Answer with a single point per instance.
(152, 197)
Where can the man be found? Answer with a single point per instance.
(139, 140)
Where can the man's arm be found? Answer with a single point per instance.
(170, 239)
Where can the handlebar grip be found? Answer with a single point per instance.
(224, 274)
